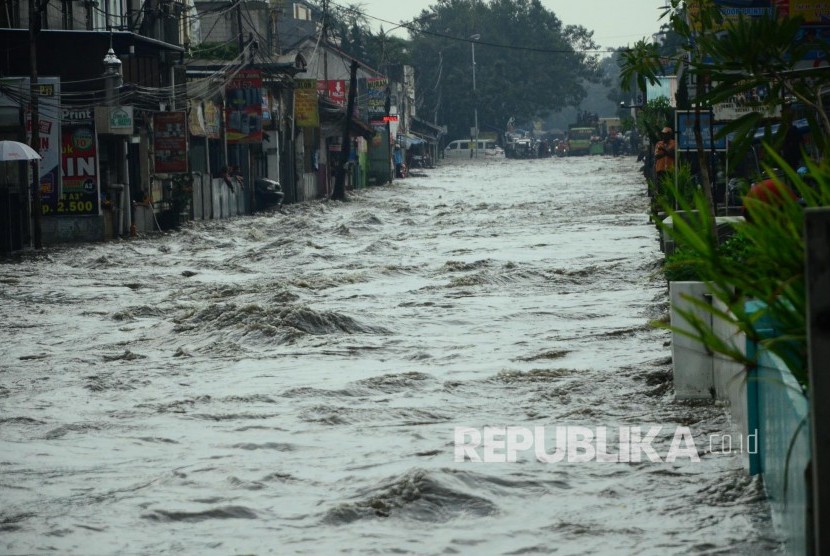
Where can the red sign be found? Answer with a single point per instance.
(170, 142)
(336, 90)
(390, 118)
(79, 168)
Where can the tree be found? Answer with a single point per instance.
(528, 64)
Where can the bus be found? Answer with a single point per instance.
(579, 140)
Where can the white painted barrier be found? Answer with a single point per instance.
(693, 362)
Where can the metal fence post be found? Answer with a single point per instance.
(817, 271)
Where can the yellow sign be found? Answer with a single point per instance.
(305, 103)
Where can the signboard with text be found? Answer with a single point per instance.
(79, 168)
(685, 125)
(14, 90)
(244, 108)
(170, 142)
(377, 97)
(306, 111)
(335, 89)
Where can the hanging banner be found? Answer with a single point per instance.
(196, 119)
(306, 113)
(170, 142)
(79, 166)
(204, 120)
(213, 119)
(244, 108)
(49, 122)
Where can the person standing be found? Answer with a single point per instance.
(397, 157)
(664, 154)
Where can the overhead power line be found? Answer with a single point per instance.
(414, 29)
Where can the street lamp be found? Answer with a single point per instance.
(474, 134)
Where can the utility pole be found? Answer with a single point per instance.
(339, 193)
(35, 11)
(240, 37)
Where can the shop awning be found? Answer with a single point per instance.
(430, 132)
(407, 141)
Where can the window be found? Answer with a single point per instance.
(302, 12)
(464, 145)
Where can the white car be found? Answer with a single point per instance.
(461, 148)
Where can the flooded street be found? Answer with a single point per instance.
(291, 382)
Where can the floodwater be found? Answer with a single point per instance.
(291, 382)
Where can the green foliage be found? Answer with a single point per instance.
(684, 265)
(735, 57)
(653, 117)
(684, 191)
(766, 264)
(215, 51)
(542, 71)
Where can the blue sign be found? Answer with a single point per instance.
(708, 129)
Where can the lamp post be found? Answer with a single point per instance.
(474, 134)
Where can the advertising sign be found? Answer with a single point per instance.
(170, 142)
(204, 119)
(685, 125)
(49, 122)
(305, 103)
(244, 108)
(335, 89)
(79, 167)
(377, 98)
(114, 120)
(213, 119)
(17, 88)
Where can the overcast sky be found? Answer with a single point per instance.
(614, 22)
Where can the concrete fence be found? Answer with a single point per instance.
(768, 409)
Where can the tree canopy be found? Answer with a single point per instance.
(528, 64)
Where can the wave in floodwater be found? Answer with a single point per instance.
(296, 378)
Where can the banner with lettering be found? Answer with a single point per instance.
(79, 167)
(244, 108)
(170, 142)
(335, 89)
(377, 98)
(305, 103)
(49, 90)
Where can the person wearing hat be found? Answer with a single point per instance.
(664, 154)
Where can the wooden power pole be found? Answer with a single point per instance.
(35, 11)
(339, 193)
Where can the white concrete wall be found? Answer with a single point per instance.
(693, 363)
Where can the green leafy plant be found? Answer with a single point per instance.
(684, 265)
(676, 186)
(765, 264)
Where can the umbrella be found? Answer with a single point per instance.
(12, 150)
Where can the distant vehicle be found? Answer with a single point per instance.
(520, 148)
(579, 140)
(461, 148)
